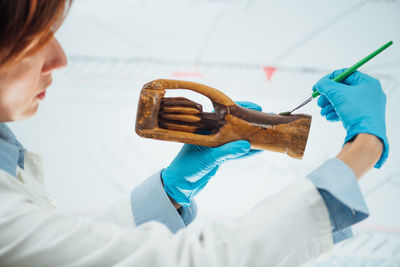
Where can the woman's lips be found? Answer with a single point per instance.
(42, 95)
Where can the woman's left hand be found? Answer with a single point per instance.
(195, 165)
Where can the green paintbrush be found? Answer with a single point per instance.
(341, 77)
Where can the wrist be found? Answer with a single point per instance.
(369, 140)
(361, 153)
(176, 205)
(373, 127)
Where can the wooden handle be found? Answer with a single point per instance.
(213, 94)
(182, 120)
(285, 134)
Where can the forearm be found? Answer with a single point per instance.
(362, 153)
(176, 205)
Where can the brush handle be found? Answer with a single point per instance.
(353, 68)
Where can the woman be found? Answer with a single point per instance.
(290, 228)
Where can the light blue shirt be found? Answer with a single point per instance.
(11, 151)
(334, 180)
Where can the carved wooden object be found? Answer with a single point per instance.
(182, 120)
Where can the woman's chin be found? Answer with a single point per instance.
(28, 113)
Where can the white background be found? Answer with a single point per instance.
(85, 126)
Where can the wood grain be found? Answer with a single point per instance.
(182, 120)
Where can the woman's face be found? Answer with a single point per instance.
(24, 85)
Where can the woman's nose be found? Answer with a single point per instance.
(54, 57)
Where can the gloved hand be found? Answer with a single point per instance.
(195, 165)
(359, 102)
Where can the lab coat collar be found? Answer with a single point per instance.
(12, 153)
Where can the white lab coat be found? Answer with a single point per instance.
(289, 229)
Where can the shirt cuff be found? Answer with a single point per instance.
(150, 202)
(341, 193)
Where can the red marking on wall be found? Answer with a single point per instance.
(187, 74)
(269, 72)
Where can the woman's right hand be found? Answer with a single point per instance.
(359, 102)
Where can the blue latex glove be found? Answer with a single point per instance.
(359, 102)
(195, 165)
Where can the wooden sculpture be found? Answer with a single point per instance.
(182, 120)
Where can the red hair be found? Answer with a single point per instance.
(27, 25)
